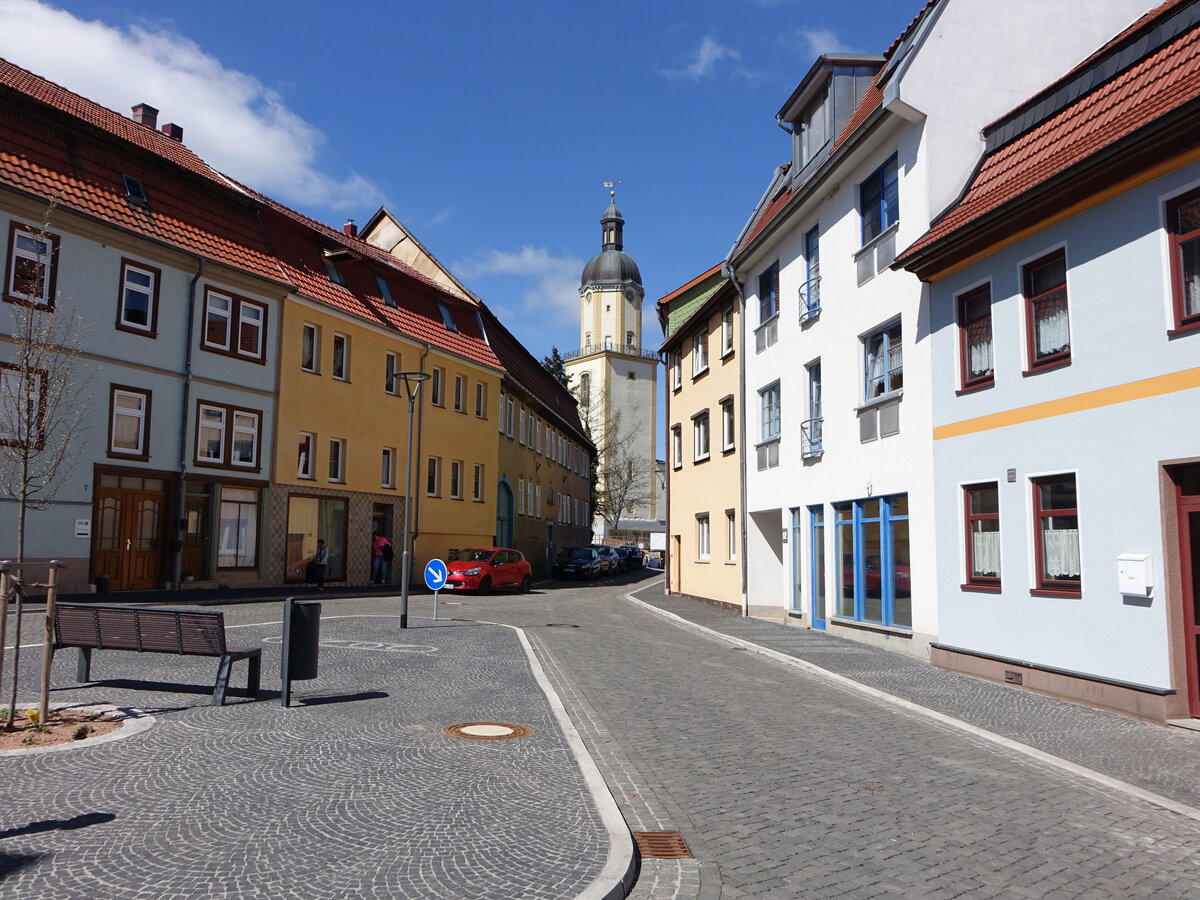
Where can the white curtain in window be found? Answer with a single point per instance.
(981, 356)
(1060, 553)
(1191, 295)
(875, 382)
(1052, 333)
(985, 553)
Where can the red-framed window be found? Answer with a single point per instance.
(975, 338)
(1047, 324)
(1056, 534)
(981, 515)
(1183, 227)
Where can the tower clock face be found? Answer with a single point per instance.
(589, 296)
(629, 296)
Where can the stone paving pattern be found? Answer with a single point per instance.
(353, 792)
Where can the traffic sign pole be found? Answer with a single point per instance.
(436, 574)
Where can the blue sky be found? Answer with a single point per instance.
(487, 128)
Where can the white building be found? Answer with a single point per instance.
(1065, 331)
(839, 485)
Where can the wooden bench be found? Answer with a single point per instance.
(187, 632)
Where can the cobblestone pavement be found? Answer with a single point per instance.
(786, 784)
(354, 792)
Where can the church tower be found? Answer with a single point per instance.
(616, 381)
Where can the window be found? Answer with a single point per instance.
(387, 471)
(676, 446)
(521, 496)
(334, 273)
(872, 551)
(585, 389)
(537, 496)
(233, 326)
(727, 332)
(129, 425)
(700, 436)
(700, 354)
(456, 471)
(975, 337)
(816, 568)
(385, 290)
(501, 416)
(447, 320)
(703, 542)
(305, 464)
(731, 536)
(981, 515)
(460, 394)
(237, 537)
(433, 480)
(340, 367)
(879, 201)
(138, 307)
(1049, 332)
(812, 430)
(310, 343)
(511, 416)
(810, 291)
(1183, 229)
(521, 428)
(629, 339)
(1056, 525)
(539, 436)
(728, 425)
(134, 191)
(390, 367)
(477, 484)
(885, 363)
(31, 266)
(529, 507)
(227, 436)
(480, 400)
(436, 391)
(676, 371)
(337, 459)
(813, 128)
(768, 293)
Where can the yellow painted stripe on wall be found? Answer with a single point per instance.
(1110, 396)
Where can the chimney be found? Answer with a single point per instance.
(173, 131)
(145, 114)
(350, 228)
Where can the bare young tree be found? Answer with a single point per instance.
(43, 404)
(620, 477)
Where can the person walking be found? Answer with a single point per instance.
(381, 557)
(320, 564)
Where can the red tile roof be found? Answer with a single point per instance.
(1147, 90)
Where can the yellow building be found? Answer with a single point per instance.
(357, 318)
(704, 453)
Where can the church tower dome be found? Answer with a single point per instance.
(611, 266)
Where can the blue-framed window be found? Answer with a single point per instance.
(811, 299)
(873, 575)
(816, 565)
(884, 362)
(797, 560)
(768, 293)
(879, 201)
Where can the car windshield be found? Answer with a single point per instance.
(476, 554)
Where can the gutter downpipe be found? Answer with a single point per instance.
(742, 437)
(181, 492)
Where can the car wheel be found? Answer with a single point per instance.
(485, 584)
(526, 584)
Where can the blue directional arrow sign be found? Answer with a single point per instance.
(436, 574)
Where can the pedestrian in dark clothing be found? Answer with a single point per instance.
(319, 565)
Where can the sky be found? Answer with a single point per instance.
(487, 128)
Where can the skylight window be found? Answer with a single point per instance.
(385, 291)
(334, 274)
(134, 192)
(446, 320)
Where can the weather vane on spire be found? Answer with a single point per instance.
(610, 185)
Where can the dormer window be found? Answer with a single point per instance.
(134, 192)
(334, 273)
(446, 318)
(385, 291)
(813, 127)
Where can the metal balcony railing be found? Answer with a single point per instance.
(811, 437)
(810, 298)
(611, 347)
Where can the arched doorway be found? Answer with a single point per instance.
(504, 515)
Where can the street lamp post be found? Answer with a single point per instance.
(412, 387)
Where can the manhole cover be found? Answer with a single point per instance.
(661, 845)
(488, 731)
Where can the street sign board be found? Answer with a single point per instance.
(436, 574)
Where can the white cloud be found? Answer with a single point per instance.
(551, 282)
(442, 217)
(235, 122)
(704, 61)
(817, 41)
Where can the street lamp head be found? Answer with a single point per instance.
(412, 381)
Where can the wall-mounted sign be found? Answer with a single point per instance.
(83, 528)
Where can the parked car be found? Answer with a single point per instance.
(480, 569)
(610, 561)
(634, 558)
(654, 561)
(873, 579)
(577, 562)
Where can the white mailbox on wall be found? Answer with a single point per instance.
(1133, 574)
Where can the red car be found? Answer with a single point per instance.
(480, 569)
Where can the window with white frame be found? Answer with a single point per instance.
(529, 498)
(676, 447)
(433, 477)
(703, 538)
(727, 331)
(700, 436)
(244, 449)
(884, 362)
(436, 386)
(129, 423)
(768, 293)
(521, 496)
(456, 471)
(305, 462)
(539, 436)
(32, 269)
(460, 394)
(585, 389)
(234, 326)
(138, 308)
(521, 427)
(769, 430)
(537, 496)
(731, 535)
(387, 469)
(676, 371)
(340, 366)
(728, 424)
(813, 428)
(480, 400)
(511, 416)
(500, 412)
(477, 484)
(210, 435)
(237, 534)
(337, 460)
(310, 344)
(699, 353)
(390, 368)
(227, 435)
(22, 413)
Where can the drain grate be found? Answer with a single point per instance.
(661, 845)
(488, 731)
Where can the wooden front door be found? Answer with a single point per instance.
(194, 559)
(128, 545)
(1189, 564)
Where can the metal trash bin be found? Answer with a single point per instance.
(301, 643)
